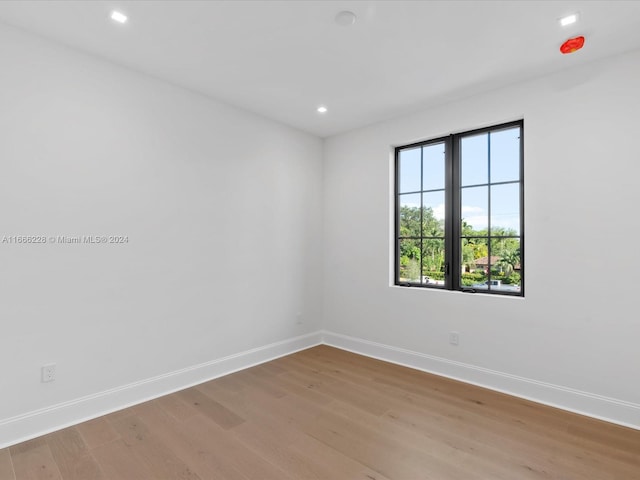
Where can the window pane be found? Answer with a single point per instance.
(473, 261)
(474, 153)
(505, 209)
(410, 170)
(475, 272)
(505, 155)
(481, 284)
(410, 254)
(433, 167)
(505, 264)
(433, 214)
(433, 261)
(410, 215)
(475, 210)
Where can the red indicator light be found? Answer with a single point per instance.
(572, 45)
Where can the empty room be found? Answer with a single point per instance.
(291, 240)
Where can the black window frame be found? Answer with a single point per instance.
(453, 212)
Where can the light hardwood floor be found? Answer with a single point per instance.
(328, 414)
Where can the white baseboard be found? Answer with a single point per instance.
(604, 408)
(40, 422)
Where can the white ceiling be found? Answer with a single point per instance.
(282, 59)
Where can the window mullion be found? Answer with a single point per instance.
(421, 214)
(489, 232)
(452, 216)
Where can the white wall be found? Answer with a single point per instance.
(222, 209)
(574, 338)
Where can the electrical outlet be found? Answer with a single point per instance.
(299, 318)
(454, 338)
(48, 373)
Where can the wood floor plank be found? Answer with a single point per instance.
(255, 402)
(252, 378)
(33, 460)
(158, 457)
(366, 447)
(176, 407)
(297, 464)
(230, 383)
(72, 456)
(260, 408)
(210, 408)
(6, 466)
(118, 462)
(622, 442)
(297, 389)
(272, 367)
(235, 453)
(117, 414)
(338, 464)
(303, 457)
(344, 391)
(336, 367)
(97, 432)
(27, 446)
(201, 454)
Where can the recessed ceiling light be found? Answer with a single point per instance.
(321, 109)
(345, 18)
(569, 19)
(118, 17)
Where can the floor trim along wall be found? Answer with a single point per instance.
(40, 422)
(605, 408)
(33, 424)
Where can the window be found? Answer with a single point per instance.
(459, 212)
